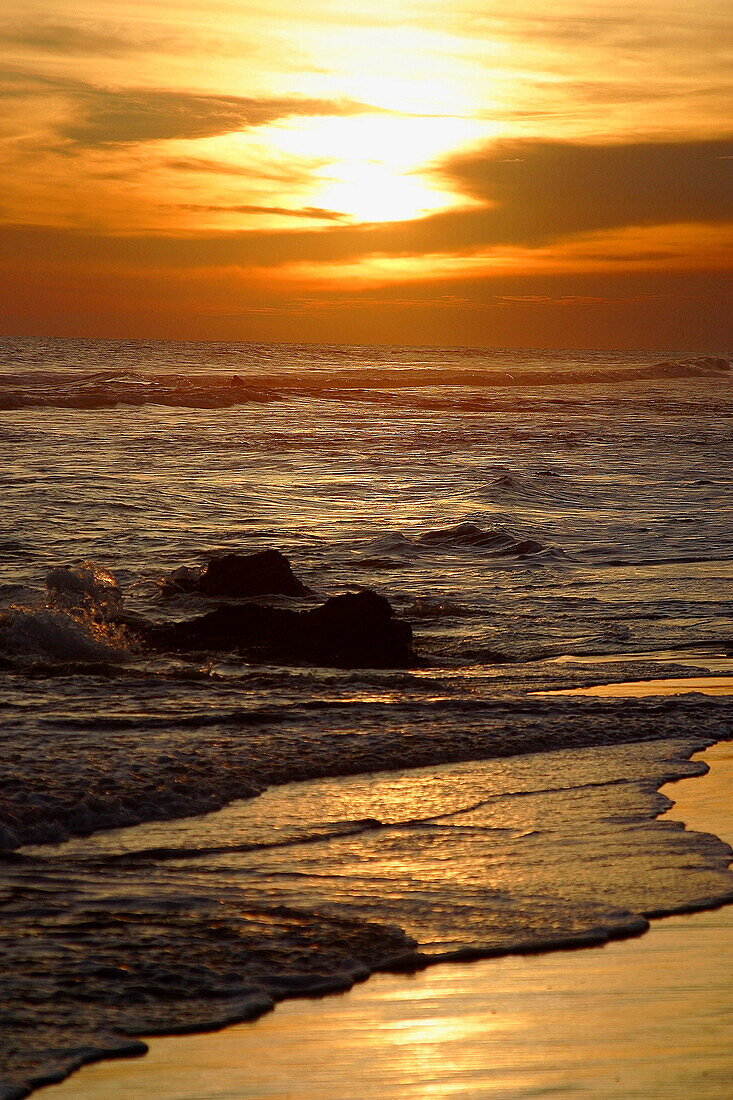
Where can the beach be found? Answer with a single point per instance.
(366, 497)
(320, 663)
(647, 1017)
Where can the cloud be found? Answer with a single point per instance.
(69, 40)
(206, 165)
(127, 117)
(527, 194)
(631, 27)
(541, 190)
(109, 117)
(315, 212)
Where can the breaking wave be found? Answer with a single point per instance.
(51, 637)
(76, 625)
(213, 920)
(107, 389)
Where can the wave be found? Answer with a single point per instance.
(471, 535)
(77, 625)
(107, 389)
(235, 754)
(86, 587)
(494, 541)
(14, 548)
(52, 637)
(438, 607)
(469, 861)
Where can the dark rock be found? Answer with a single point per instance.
(251, 627)
(184, 579)
(238, 575)
(356, 630)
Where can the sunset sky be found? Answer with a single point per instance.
(466, 172)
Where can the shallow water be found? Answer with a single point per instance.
(648, 1017)
(544, 520)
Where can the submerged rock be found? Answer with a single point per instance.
(356, 630)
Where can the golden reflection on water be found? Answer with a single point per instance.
(706, 685)
(646, 1017)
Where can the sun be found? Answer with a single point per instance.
(376, 167)
(375, 192)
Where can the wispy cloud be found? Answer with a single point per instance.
(127, 117)
(207, 166)
(528, 194)
(315, 212)
(113, 117)
(69, 39)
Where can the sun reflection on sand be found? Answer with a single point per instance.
(707, 685)
(595, 1023)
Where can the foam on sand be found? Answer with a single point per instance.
(644, 1017)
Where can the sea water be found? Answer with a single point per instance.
(188, 839)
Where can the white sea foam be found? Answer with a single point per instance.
(86, 587)
(51, 636)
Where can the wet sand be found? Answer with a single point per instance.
(641, 689)
(649, 1017)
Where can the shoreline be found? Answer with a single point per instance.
(303, 1038)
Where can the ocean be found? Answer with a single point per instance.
(190, 833)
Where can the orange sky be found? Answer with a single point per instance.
(456, 172)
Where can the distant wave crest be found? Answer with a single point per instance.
(107, 389)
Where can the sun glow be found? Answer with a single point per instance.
(374, 193)
(376, 167)
(283, 157)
